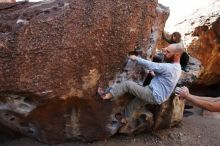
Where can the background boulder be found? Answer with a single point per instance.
(201, 37)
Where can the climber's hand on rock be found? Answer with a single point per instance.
(133, 57)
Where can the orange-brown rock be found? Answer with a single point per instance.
(7, 1)
(54, 54)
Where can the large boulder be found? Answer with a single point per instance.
(54, 54)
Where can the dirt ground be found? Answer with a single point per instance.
(194, 130)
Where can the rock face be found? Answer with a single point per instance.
(54, 54)
(7, 1)
(201, 33)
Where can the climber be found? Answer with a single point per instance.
(176, 38)
(208, 103)
(160, 88)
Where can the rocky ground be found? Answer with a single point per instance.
(194, 130)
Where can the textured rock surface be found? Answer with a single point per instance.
(7, 1)
(55, 53)
(201, 33)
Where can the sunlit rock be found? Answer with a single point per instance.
(201, 35)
